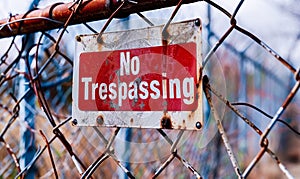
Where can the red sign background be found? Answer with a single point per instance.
(158, 67)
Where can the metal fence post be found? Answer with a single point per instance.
(27, 107)
(27, 116)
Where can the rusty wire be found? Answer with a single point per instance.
(10, 74)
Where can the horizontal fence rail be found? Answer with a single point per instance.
(55, 16)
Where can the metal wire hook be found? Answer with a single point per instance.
(124, 2)
(164, 31)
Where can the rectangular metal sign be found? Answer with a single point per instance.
(138, 78)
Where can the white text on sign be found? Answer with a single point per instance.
(138, 89)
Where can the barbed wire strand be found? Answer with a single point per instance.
(89, 171)
(221, 128)
(248, 122)
(250, 35)
(110, 152)
(174, 154)
(266, 114)
(50, 153)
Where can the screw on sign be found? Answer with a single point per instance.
(155, 81)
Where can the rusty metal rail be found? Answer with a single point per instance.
(55, 16)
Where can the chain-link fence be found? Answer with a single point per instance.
(243, 79)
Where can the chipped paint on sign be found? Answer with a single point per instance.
(144, 82)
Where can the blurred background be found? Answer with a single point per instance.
(240, 69)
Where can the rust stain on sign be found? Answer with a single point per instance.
(166, 122)
(132, 77)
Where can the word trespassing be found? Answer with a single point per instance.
(161, 88)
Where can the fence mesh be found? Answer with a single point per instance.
(251, 106)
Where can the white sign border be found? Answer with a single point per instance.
(182, 32)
